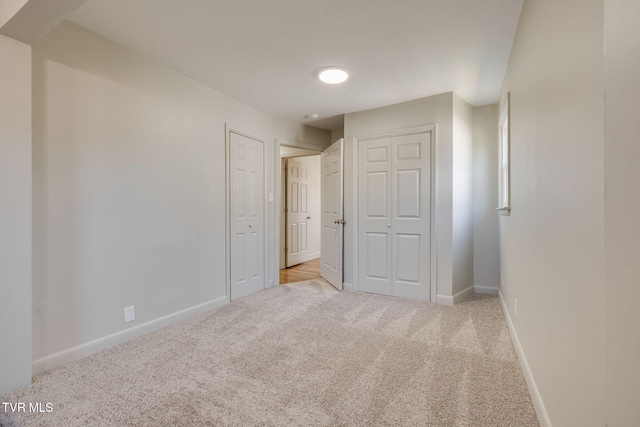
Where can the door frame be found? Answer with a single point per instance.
(432, 202)
(278, 194)
(228, 130)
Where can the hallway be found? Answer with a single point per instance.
(305, 271)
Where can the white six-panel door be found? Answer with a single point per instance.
(297, 213)
(332, 221)
(394, 215)
(246, 215)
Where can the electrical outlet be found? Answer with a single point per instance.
(129, 314)
(515, 307)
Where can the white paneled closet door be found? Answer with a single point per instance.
(394, 215)
(375, 216)
(246, 215)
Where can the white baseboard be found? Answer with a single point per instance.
(447, 300)
(314, 255)
(462, 294)
(444, 300)
(269, 284)
(349, 287)
(541, 411)
(75, 353)
(489, 290)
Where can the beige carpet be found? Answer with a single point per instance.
(299, 355)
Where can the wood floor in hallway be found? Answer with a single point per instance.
(305, 271)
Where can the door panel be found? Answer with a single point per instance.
(412, 216)
(255, 254)
(336, 199)
(247, 215)
(375, 215)
(408, 151)
(377, 249)
(377, 155)
(294, 197)
(408, 257)
(297, 203)
(303, 195)
(332, 220)
(240, 257)
(376, 190)
(303, 238)
(293, 234)
(255, 195)
(408, 193)
(395, 201)
(241, 190)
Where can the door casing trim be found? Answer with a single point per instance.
(278, 195)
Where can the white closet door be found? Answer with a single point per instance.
(375, 216)
(411, 216)
(297, 213)
(395, 215)
(247, 215)
(332, 221)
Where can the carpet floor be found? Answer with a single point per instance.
(298, 355)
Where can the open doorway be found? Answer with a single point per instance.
(300, 214)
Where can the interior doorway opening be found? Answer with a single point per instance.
(300, 214)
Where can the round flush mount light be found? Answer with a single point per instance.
(333, 75)
(311, 116)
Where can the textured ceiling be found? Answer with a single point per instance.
(266, 54)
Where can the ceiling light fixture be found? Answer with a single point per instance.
(333, 75)
(311, 116)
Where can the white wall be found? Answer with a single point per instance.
(486, 242)
(8, 8)
(622, 151)
(462, 197)
(129, 184)
(436, 110)
(552, 244)
(15, 215)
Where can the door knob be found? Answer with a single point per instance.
(388, 225)
(249, 225)
(308, 217)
